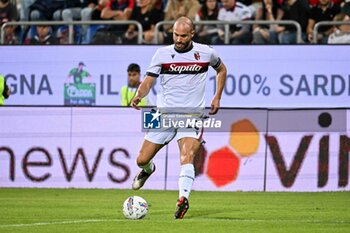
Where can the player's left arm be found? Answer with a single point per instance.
(221, 73)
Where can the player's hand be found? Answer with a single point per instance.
(215, 105)
(135, 101)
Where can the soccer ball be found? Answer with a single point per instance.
(135, 207)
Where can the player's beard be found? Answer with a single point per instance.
(182, 45)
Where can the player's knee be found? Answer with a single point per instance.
(141, 161)
(187, 157)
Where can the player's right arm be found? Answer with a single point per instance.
(152, 74)
(142, 91)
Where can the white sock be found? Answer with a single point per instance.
(186, 180)
(148, 167)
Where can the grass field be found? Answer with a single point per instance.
(92, 210)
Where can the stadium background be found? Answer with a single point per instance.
(288, 131)
(66, 167)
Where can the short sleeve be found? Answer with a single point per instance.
(215, 60)
(155, 66)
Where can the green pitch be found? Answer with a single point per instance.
(84, 210)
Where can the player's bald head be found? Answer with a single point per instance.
(184, 21)
(183, 32)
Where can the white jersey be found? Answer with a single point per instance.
(182, 75)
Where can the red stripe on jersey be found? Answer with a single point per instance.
(184, 68)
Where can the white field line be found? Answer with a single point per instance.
(190, 219)
(59, 223)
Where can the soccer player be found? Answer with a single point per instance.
(182, 69)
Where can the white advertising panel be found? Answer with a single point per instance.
(313, 159)
(72, 147)
(286, 76)
(258, 76)
(233, 159)
(96, 147)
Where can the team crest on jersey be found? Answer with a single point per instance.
(197, 56)
(172, 56)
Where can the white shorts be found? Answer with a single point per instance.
(164, 137)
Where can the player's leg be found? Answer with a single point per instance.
(154, 141)
(189, 147)
(144, 161)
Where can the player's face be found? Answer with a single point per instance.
(182, 36)
(133, 78)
